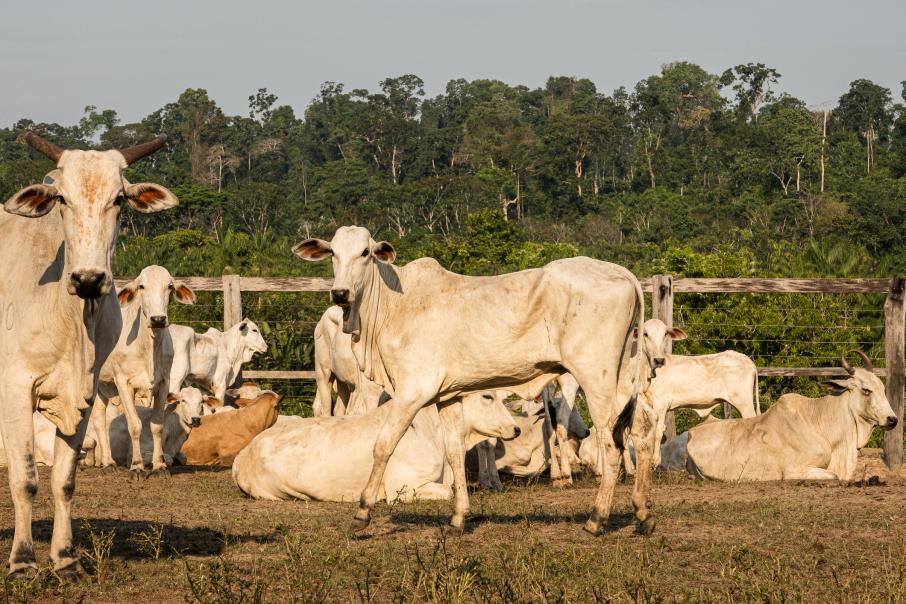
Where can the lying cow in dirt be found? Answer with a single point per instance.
(219, 438)
(672, 458)
(798, 438)
(182, 413)
(530, 453)
(330, 458)
(45, 435)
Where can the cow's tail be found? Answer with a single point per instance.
(757, 396)
(640, 379)
(624, 421)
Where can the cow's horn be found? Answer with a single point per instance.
(137, 152)
(39, 144)
(868, 364)
(846, 366)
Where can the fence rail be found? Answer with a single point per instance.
(662, 289)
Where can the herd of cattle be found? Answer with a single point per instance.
(416, 370)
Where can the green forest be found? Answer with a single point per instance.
(685, 172)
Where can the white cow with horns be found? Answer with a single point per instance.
(61, 320)
(428, 335)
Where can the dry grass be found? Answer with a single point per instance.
(195, 538)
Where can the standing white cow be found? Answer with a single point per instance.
(138, 369)
(335, 366)
(428, 335)
(329, 458)
(798, 438)
(60, 319)
(212, 360)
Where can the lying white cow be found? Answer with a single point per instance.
(329, 458)
(530, 453)
(138, 369)
(212, 360)
(425, 334)
(798, 438)
(45, 436)
(672, 453)
(182, 414)
(335, 367)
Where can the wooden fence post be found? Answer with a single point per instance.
(232, 301)
(894, 317)
(662, 308)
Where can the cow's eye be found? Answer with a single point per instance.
(118, 201)
(170, 286)
(364, 252)
(141, 287)
(866, 391)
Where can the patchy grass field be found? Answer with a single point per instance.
(195, 538)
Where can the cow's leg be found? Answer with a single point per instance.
(809, 473)
(18, 430)
(551, 436)
(103, 455)
(62, 482)
(568, 390)
(137, 467)
(454, 448)
(400, 413)
(645, 434)
(488, 477)
(158, 465)
(628, 464)
(344, 395)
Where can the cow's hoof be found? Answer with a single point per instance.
(25, 573)
(136, 475)
(563, 482)
(646, 527)
(72, 573)
(161, 472)
(360, 521)
(592, 528)
(111, 469)
(458, 523)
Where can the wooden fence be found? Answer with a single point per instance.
(662, 289)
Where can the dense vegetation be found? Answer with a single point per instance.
(686, 172)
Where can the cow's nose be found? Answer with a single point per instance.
(587, 433)
(516, 431)
(196, 421)
(660, 361)
(339, 296)
(87, 284)
(159, 321)
(891, 422)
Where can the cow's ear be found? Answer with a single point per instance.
(244, 327)
(384, 252)
(172, 398)
(147, 197)
(183, 294)
(234, 392)
(312, 249)
(128, 292)
(677, 334)
(836, 386)
(33, 201)
(212, 402)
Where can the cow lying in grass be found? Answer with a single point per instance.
(329, 458)
(798, 438)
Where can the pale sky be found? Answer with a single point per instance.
(134, 57)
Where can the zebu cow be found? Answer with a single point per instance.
(798, 438)
(425, 334)
(335, 366)
(329, 458)
(138, 369)
(212, 360)
(61, 320)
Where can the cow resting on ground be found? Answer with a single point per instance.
(335, 366)
(219, 438)
(138, 369)
(212, 360)
(183, 413)
(61, 320)
(329, 458)
(798, 438)
(427, 335)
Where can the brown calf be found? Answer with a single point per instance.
(220, 437)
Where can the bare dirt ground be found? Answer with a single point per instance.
(196, 538)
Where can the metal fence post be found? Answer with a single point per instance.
(232, 301)
(662, 308)
(894, 316)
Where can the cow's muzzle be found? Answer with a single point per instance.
(196, 421)
(891, 423)
(659, 362)
(89, 284)
(340, 297)
(158, 321)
